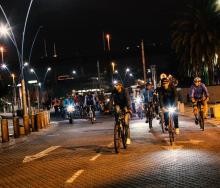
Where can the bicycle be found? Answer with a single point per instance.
(149, 111)
(199, 104)
(171, 129)
(91, 114)
(120, 131)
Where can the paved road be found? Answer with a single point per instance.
(82, 155)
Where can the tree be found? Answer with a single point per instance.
(196, 37)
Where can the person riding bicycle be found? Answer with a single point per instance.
(198, 91)
(148, 93)
(120, 99)
(168, 98)
(68, 101)
(90, 101)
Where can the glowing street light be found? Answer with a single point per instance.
(127, 70)
(26, 64)
(131, 75)
(4, 66)
(116, 72)
(4, 30)
(74, 72)
(32, 70)
(49, 69)
(115, 82)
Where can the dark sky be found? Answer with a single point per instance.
(77, 25)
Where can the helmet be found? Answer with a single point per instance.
(118, 83)
(197, 79)
(148, 83)
(170, 76)
(164, 81)
(163, 75)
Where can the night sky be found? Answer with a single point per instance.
(77, 25)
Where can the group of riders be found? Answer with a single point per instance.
(159, 100)
(155, 102)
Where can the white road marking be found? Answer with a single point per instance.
(95, 157)
(40, 155)
(75, 176)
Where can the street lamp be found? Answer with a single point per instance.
(26, 64)
(48, 70)
(74, 72)
(131, 75)
(127, 70)
(116, 72)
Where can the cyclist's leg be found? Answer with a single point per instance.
(205, 109)
(127, 120)
(195, 111)
(146, 112)
(166, 119)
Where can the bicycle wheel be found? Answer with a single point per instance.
(201, 120)
(124, 136)
(117, 138)
(150, 122)
(161, 122)
(171, 132)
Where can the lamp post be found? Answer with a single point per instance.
(38, 92)
(2, 54)
(108, 41)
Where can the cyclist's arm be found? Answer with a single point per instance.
(205, 91)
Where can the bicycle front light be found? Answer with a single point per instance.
(70, 108)
(138, 100)
(171, 110)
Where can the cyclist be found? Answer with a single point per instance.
(90, 101)
(168, 98)
(147, 94)
(121, 99)
(199, 91)
(67, 102)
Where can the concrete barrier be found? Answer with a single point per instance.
(26, 124)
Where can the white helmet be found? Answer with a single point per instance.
(197, 79)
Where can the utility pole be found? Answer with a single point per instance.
(99, 77)
(143, 61)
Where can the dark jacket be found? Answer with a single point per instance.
(121, 99)
(168, 97)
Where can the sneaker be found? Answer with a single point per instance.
(128, 141)
(166, 128)
(177, 131)
(94, 119)
(146, 121)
